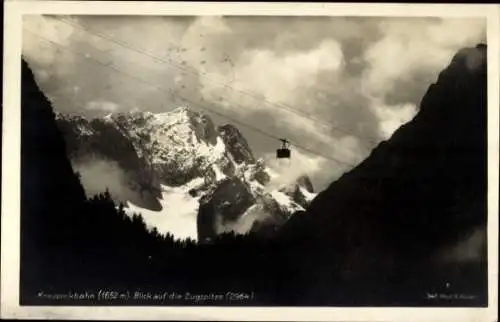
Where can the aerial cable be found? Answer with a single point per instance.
(252, 94)
(195, 104)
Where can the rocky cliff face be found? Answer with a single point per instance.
(184, 150)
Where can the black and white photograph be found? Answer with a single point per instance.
(254, 160)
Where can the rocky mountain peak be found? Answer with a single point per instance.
(237, 144)
(305, 182)
(183, 151)
(302, 190)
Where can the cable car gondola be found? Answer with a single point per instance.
(284, 151)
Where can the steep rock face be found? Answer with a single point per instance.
(281, 205)
(237, 144)
(419, 192)
(225, 204)
(306, 183)
(301, 191)
(183, 149)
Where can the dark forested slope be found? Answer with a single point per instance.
(421, 191)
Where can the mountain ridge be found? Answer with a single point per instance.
(176, 148)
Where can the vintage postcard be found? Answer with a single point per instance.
(250, 161)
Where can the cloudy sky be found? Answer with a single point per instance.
(334, 86)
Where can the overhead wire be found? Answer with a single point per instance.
(195, 104)
(252, 94)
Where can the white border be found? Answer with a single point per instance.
(11, 162)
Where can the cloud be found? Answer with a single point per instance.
(361, 77)
(407, 59)
(391, 117)
(103, 57)
(414, 46)
(243, 224)
(98, 174)
(470, 249)
(50, 63)
(43, 25)
(102, 106)
(287, 171)
(278, 78)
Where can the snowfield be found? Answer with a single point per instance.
(178, 215)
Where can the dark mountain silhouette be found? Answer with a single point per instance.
(50, 190)
(420, 192)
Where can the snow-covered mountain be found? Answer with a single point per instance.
(182, 173)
